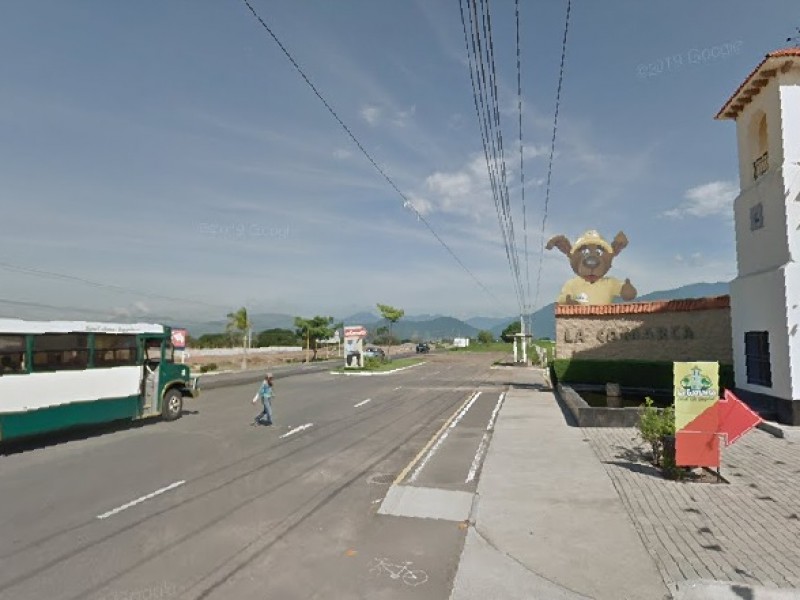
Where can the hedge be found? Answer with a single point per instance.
(627, 373)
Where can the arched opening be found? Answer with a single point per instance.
(759, 143)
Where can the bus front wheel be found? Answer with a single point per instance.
(173, 405)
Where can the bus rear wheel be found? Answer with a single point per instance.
(173, 405)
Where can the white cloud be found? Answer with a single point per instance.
(402, 117)
(707, 200)
(421, 205)
(694, 260)
(371, 114)
(342, 154)
(375, 115)
(534, 150)
(463, 192)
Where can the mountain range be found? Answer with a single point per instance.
(431, 327)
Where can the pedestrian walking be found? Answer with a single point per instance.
(265, 393)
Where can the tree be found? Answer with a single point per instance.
(513, 328)
(313, 330)
(384, 337)
(485, 337)
(276, 337)
(393, 315)
(239, 327)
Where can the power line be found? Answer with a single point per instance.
(98, 285)
(105, 313)
(406, 202)
(480, 51)
(552, 151)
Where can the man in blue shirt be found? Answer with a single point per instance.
(265, 393)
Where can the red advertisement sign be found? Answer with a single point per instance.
(179, 338)
(358, 331)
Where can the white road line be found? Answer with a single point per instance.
(296, 429)
(438, 443)
(362, 403)
(119, 509)
(495, 411)
(476, 462)
(397, 388)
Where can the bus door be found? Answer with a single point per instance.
(151, 371)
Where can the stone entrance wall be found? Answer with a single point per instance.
(675, 330)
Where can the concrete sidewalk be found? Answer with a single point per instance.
(559, 516)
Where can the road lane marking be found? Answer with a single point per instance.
(443, 437)
(297, 429)
(397, 388)
(477, 460)
(362, 403)
(410, 465)
(495, 411)
(119, 509)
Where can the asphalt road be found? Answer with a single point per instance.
(210, 506)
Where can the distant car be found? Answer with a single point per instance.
(423, 347)
(373, 352)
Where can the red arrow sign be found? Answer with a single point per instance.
(735, 418)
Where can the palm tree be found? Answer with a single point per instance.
(239, 325)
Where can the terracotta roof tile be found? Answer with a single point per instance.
(776, 54)
(633, 308)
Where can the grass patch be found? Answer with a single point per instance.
(492, 347)
(378, 367)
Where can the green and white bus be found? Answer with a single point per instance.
(61, 374)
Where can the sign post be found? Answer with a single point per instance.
(179, 342)
(702, 419)
(354, 346)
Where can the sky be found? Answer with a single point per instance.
(167, 160)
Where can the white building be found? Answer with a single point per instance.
(765, 296)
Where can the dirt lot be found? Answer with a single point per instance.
(232, 362)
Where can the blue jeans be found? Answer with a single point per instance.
(266, 414)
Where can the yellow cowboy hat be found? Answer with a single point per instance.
(591, 238)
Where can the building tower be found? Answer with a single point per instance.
(765, 296)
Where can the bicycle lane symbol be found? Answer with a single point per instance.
(402, 572)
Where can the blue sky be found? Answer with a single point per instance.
(171, 147)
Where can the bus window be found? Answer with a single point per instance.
(152, 351)
(12, 354)
(57, 351)
(114, 350)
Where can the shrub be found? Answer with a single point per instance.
(208, 367)
(373, 362)
(654, 424)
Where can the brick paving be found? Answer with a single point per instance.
(746, 531)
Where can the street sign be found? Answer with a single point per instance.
(735, 418)
(358, 331)
(702, 419)
(354, 346)
(696, 419)
(179, 339)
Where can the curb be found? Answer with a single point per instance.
(361, 374)
(771, 428)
